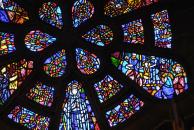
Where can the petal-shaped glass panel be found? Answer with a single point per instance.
(124, 110)
(87, 62)
(118, 7)
(101, 35)
(107, 88)
(161, 77)
(10, 12)
(77, 113)
(55, 65)
(6, 43)
(12, 76)
(41, 94)
(162, 29)
(133, 32)
(38, 41)
(82, 10)
(51, 14)
(29, 119)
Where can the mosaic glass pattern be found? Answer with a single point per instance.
(6, 43)
(124, 110)
(12, 76)
(38, 41)
(51, 14)
(87, 62)
(41, 94)
(55, 65)
(118, 7)
(101, 35)
(161, 77)
(77, 113)
(82, 10)
(29, 119)
(162, 29)
(107, 88)
(10, 12)
(133, 32)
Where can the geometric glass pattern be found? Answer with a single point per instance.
(124, 110)
(133, 32)
(82, 10)
(160, 77)
(6, 43)
(77, 113)
(29, 119)
(10, 12)
(41, 94)
(107, 88)
(38, 41)
(162, 29)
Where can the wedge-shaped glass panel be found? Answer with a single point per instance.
(82, 10)
(51, 14)
(107, 88)
(160, 77)
(29, 119)
(55, 65)
(10, 12)
(12, 76)
(162, 29)
(124, 110)
(38, 41)
(77, 113)
(6, 43)
(41, 94)
(101, 35)
(87, 62)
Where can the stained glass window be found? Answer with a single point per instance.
(82, 10)
(87, 62)
(55, 65)
(29, 119)
(107, 88)
(51, 14)
(10, 12)
(162, 29)
(159, 76)
(102, 35)
(77, 113)
(133, 32)
(12, 76)
(41, 94)
(118, 7)
(6, 43)
(38, 41)
(124, 110)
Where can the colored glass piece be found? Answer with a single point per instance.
(38, 41)
(55, 65)
(12, 76)
(77, 113)
(41, 94)
(162, 29)
(51, 14)
(160, 77)
(10, 12)
(101, 35)
(29, 119)
(107, 88)
(82, 10)
(6, 43)
(87, 62)
(133, 32)
(118, 7)
(124, 110)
